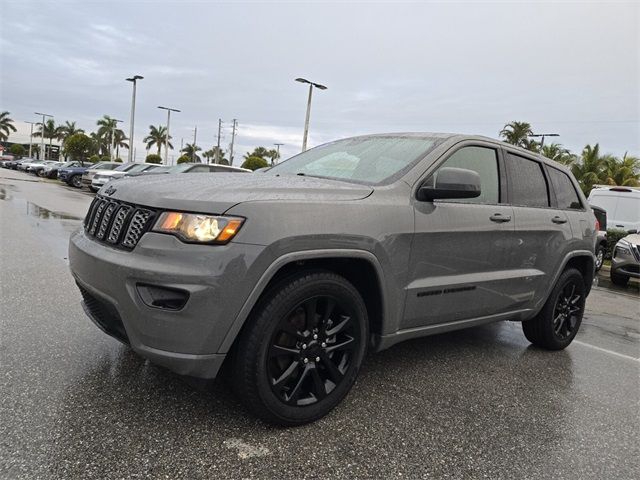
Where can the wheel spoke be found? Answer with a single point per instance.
(574, 300)
(558, 322)
(286, 375)
(346, 345)
(278, 351)
(318, 383)
(291, 330)
(339, 327)
(331, 303)
(332, 370)
(310, 310)
(295, 393)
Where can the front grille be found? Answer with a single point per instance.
(104, 314)
(636, 251)
(117, 223)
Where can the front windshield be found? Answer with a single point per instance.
(369, 160)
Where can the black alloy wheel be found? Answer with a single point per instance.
(568, 311)
(76, 181)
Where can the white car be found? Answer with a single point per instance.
(102, 178)
(28, 162)
(621, 203)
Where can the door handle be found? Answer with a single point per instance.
(499, 218)
(558, 219)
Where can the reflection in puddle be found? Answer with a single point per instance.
(40, 212)
(4, 195)
(602, 281)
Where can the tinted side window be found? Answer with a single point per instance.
(482, 160)
(564, 190)
(527, 185)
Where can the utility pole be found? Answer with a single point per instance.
(217, 158)
(233, 137)
(544, 135)
(193, 150)
(42, 155)
(278, 145)
(31, 137)
(166, 140)
(133, 80)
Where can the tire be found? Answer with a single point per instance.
(76, 181)
(599, 257)
(555, 327)
(271, 376)
(619, 280)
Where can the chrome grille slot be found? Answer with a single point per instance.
(97, 216)
(106, 218)
(118, 223)
(136, 227)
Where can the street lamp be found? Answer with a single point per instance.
(306, 122)
(278, 145)
(544, 135)
(31, 137)
(42, 155)
(166, 140)
(113, 137)
(133, 80)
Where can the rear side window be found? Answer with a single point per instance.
(527, 185)
(482, 160)
(565, 192)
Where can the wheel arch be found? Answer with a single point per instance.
(360, 267)
(583, 261)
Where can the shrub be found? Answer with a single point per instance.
(184, 159)
(78, 146)
(253, 163)
(94, 158)
(17, 150)
(105, 159)
(613, 235)
(154, 158)
(118, 160)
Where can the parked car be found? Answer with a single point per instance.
(51, 171)
(101, 178)
(11, 164)
(73, 175)
(621, 203)
(88, 175)
(25, 163)
(38, 167)
(289, 276)
(196, 168)
(625, 260)
(601, 242)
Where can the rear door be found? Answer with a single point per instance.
(458, 259)
(542, 233)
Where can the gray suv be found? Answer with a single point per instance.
(287, 278)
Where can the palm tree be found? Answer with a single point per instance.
(120, 140)
(106, 128)
(68, 129)
(157, 136)
(257, 152)
(100, 145)
(623, 172)
(190, 151)
(50, 131)
(216, 153)
(557, 152)
(6, 126)
(517, 133)
(589, 168)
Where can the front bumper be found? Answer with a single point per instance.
(218, 280)
(626, 261)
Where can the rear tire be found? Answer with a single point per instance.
(555, 327)
(301, 349)
(619, 280)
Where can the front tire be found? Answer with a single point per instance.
(557, 324)
(301, 349)
(76, 181)
(619, 280)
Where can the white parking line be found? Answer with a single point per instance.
(621, 355)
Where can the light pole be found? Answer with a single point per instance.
(133, 80)
(31, 137)
(113, 137)
(193, 151)
(306, 122)
(278, 145)
(166, 140)
(42, 155)
(544, 135)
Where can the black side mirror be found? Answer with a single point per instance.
(632, 231)
(451, 183)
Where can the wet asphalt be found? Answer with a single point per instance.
(479, 403)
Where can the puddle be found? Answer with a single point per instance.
(4, 194)
(602, 281)
(40, 212)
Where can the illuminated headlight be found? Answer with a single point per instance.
(198, 228)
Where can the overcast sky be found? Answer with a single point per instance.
(566, 67)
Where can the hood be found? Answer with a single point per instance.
(633, 239)
(217, 192)
(109, 173)
(73, 169)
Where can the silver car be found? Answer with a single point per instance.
(625, 260)
(288, 277)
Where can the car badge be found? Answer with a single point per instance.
(110, 191)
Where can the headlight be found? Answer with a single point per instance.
(198, 228)
(623, 247)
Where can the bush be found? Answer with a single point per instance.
(105, 159)
(253, 163)
(94, 158)
(184, 159)
(118, 160)
(17, 150)
(613, 235)
(154, 158)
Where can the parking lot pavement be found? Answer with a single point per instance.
(470, 404)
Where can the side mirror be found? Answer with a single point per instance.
(451, 183)
(632, 231)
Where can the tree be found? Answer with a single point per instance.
(517, 133)
(253, 163)
(50, 130)
(184, 159)
(260, 152)
(157, 136)
(190, 151)
(78, 146)
(622, 172)
(99, 144)
(120, 140)
(217, 154)
(106, 128)
(17, 150)
(588, 170)
(153, 158)
(94, 158)
(6, 126)
(558, 153)
(68, 129)
(273, 155)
